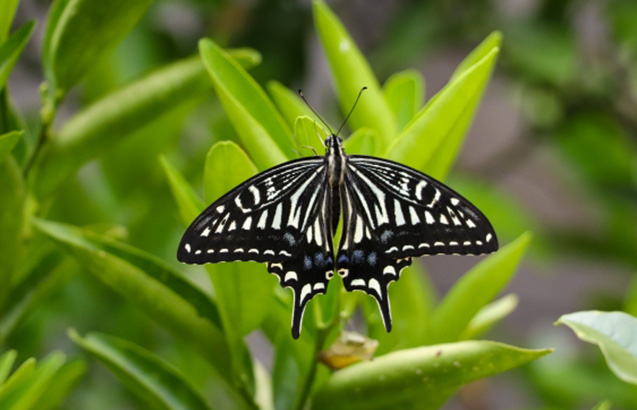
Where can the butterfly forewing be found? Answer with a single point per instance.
(262, 219)
(413, 214)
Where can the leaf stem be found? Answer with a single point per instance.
(309, 380)
(47, 115)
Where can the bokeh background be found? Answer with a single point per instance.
(552, 149)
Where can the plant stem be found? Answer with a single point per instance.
(47, 115)
(309, 380)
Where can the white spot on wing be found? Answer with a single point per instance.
(414, 216)
(247, 223)
(398, 213)
(220, 208)
(470, 223)
(373, 284)
(455, 201)
(429, 218)
(434, 201)
(232, 226)
(276, 221)
(419, 187)
(255, 193)
(205, 232)
(291, 275)
(389, 270)
(443, 219)
(262, 220)
(488, 238)
(358, 233)
(319, 286)
(358, 282)
(305, 292)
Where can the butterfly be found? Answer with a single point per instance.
(287, 217)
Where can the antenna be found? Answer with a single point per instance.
(315, 113)
(352, 110)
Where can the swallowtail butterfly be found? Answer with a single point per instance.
(287, 217)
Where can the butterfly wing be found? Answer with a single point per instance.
(260, 220)
(309, 272)
(393, 213)
(278, 217)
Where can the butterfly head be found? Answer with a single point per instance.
(333, 143)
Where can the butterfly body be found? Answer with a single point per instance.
(287, 216)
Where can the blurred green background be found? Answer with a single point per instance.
(552, 149)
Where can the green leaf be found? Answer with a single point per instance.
(420, 139)
(444, 157)
(489, 315)
(452, 316)
(246, 57)
(309, 133)
(290, 104)
(150, 285)
(421, 378)
(405, 93)
(188, 202)
(80, 33)
(351, 72)
(6, 363)
(604, 405)
(7, 12)
(21, 374)
(24, 393)
(493, 40)
(7, 142)
(59, 387)
(244, 290)
(261, 128)
(616, 335)
(115, 118)
(364, 141)
(157, 383)
(12, 199)
(11, 49)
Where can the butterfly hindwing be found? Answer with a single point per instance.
(413, 214)
(309, 272)
(261, 220)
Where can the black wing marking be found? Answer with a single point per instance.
(413, 214)
(361, 263)
(310, 271)
(260, 220)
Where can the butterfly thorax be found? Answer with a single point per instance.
(335, 160)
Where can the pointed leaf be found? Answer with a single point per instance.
(160, 385)
(444, 157)
(114, 118)
(464, 301)
(616, 335)
(149, 285)
(290, 104)
(81, 32)
(7, 12)
(309, 133)
(405, 94)
(493, 40)
(22, 373)
(420, 139)
(489, 315)
(6, 363)
(7, 142)
(11, 49)
(351, 72)
(261, 128)
(244, 290)
(421, 378)
(188, 202)
(25, 393)
(59, 387)
(364, 141)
